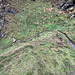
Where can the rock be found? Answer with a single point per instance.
(72, 16)
(1, 21)
(1, 15)
(10, 11)
(4, 35)
(7, 20)
(71, 9)
(1, 0)
(5, 8)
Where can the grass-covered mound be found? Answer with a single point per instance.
(41, 56)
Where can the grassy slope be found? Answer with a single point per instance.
(43, 55)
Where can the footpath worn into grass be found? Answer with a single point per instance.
(47, 54)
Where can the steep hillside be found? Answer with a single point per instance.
(39, 48)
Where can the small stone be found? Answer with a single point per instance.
(72, 16)
(4, 35)
(10, 11)
(1, 0)
(70, 9)
(1, 15)
(7, 20)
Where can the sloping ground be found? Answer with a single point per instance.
(47, 54)
(30, 21)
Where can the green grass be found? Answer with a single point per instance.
(43, 55)
(39, 56)
(31, 20)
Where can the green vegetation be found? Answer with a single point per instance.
(46, 54)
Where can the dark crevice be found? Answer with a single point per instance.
(72, 43)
